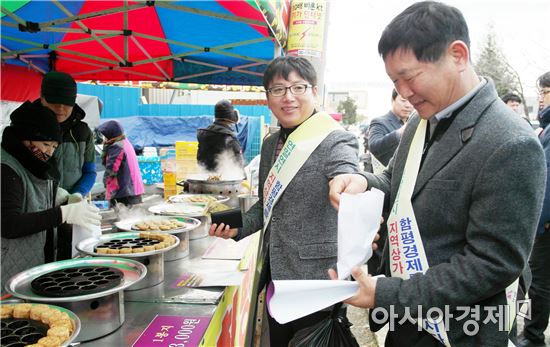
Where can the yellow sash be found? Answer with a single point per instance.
(297, 149)
(406, 251)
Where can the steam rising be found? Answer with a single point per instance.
(228, 167)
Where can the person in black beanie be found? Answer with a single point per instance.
(218, 142)
(29, 192)
(75, 158)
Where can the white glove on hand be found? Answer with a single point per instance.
(82, 214)
(75, 197)
(61, 196)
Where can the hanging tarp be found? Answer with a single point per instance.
(212, 42)
(92, 105)
(164, 131)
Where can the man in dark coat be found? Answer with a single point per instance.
(385, 131)
(219, 138)
(74, 159)
(464, 188)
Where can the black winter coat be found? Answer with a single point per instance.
(213, 141)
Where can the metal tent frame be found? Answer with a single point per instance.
(44, 41)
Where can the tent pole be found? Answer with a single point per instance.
(307, 37)
(125, 26)
(276, 53)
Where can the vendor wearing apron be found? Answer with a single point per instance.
(29, 194)
(296, 165)
(464, 188)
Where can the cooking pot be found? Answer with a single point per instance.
(200, 184)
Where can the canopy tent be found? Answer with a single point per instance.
(91, 104)
(210, 42)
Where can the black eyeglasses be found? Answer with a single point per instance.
(543, 92)
(296, 89)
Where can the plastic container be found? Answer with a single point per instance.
(186, 149)
(101, 204)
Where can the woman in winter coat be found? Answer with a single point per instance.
(122, 177)
(30, 200)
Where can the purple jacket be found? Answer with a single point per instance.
(122, 176)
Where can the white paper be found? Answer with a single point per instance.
(290, 300)
(227, 249)
(358, 222)
(81, 233)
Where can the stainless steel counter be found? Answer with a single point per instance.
(141, 306)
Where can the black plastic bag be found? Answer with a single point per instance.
(333, 331)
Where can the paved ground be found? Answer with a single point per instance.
(360, 329)
(367, 338)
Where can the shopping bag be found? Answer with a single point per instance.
(333, 331)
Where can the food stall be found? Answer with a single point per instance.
(220, 314)
(161, 300)
(116, 41)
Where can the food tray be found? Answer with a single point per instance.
(132, 244)
(77, 280)
(190, 224)
(20, 284)
(20, 330)
(29, 331)
(178, 209)
(197, 199)
(88, 246)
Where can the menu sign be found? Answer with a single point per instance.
(173, 331)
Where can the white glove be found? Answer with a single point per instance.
(74, 198)
(82, 214)
(61, 196)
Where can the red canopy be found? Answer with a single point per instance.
(20, 83)
(207, 42)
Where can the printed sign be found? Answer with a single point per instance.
(173, 331)
(307, 28)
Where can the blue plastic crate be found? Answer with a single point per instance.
(151, 171)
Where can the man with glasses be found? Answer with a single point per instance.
(464, 190)
(539, 292)
(300, 159)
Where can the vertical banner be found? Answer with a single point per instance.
(276, 15)
(306, 33)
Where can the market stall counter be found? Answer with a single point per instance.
(207, 316)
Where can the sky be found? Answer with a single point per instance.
(522, 31)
